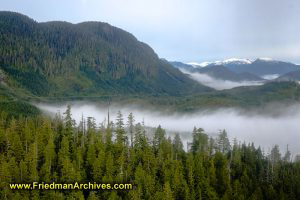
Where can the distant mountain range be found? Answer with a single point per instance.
(235, 61)
(243, 69)
(259, 67)
(262, 67)
(218, 72)
(222, 72)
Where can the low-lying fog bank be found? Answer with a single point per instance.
(219, 84)
(270, 76)
(279, 124)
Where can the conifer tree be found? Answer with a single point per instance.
(130, 124)
(120, 131)
(223, 142)
(200, 141)
(32, 160)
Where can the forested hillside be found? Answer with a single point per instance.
(85, 59)
(14, 106)
(247, 97)
(58, 150)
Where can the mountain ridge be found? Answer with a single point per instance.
(259, 66)
(87, 58)
(218, 72)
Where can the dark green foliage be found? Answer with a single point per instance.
(13, 106)
(47, 150)
(16, 108)
(34, 82)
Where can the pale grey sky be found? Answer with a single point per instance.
(187, 30)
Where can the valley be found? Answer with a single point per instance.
(89, 102)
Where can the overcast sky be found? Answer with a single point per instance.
(187, 30)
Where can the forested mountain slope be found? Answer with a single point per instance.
(291, 76)
(89, 58)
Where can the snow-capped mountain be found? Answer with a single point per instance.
(203, 64)
(236, 61)
(266, 59)
(239, 71)
(260, 66)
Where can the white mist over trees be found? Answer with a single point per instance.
(278, 124)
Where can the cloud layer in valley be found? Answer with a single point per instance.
(270, 76)
(219, 84)
(278, 124)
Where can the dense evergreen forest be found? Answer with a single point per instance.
(57, 149)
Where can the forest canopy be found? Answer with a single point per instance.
(57, 149)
